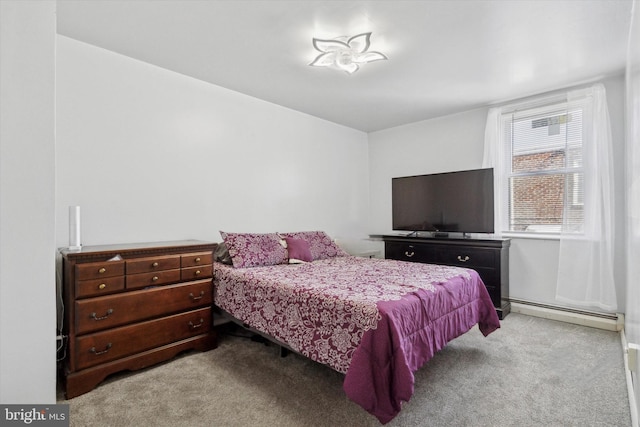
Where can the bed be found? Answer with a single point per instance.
(376, 321)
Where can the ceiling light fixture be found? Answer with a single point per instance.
(346, 54)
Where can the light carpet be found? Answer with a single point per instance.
(531, 372)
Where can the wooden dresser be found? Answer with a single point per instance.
(127, 307)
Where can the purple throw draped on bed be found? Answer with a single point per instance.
(409, 333)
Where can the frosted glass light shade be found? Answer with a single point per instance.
(346, 54)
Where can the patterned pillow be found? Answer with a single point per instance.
(320, 244)
(298, 250)
(254, 250)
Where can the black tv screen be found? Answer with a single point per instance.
(460, 202)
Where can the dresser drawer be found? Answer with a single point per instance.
(466, 257)
(196, 259)
(95, 287)
(193, 273)
(410, 252)
(152, 264)
(93, 314)
(144, 280)
(115, 343)
(98, 270)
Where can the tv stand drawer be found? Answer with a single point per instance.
(410, 252)
(467, 257)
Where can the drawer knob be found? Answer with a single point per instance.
(154, 278)
(102, 270)
(197, 273)
(102, 286)
(463, 259)
(409, 254)
(97, 353)
(198, 259)
(196, 298)
(94, 316)
(194, 326)
(155, 264)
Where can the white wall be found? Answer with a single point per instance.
(153, 155)
(455, 142)
(27, 246)
(632, 318)
(444, 144)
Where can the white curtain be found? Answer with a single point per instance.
(585, 267)
(493, 158)
(585, 272)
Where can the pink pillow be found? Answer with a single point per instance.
(320, 244)
(254, 250)
(298, 249)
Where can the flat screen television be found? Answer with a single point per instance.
(451, 202)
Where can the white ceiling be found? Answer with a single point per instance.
(444, 56)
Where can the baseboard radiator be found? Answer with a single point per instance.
(607, 321)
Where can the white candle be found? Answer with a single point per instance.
(74, 227)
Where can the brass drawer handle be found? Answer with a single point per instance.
(95, 317)
(194, 326)
(102, 270)
(197, 273)
(196, 298)
(198, 259)
(102, 286)
(154, 278)
(465, 259)
(155, 264)
(409, 255)
(97, 353)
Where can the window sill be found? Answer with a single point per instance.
(535, 236)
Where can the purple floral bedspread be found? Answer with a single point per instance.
(377, 321)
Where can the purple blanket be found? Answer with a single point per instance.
(409, 333)
(375, 320)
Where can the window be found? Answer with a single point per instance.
(543, 176)
(553, 161)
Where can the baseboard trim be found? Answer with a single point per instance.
(609, 322)
(633, 408)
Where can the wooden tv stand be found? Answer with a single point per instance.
(489, 257)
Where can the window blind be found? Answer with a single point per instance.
(545, 171)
